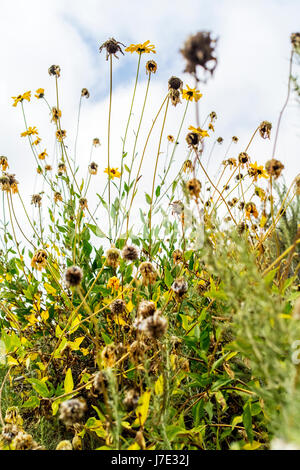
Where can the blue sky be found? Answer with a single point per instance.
(249, 83)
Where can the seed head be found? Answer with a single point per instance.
(39, 260)
(83, 203)
(177, 256)
(113, 257)
(131, 399)
(295, 40)
(243, 158)
(174, 96)
(73, 276)
(93, 168)
(148, 272)
(130, 253)
(180, 287)
(118, 306)
(274, 167)
(151, 67)
(71, 411)
(54, 70)
(64, 445)
(194, 187)
(146, 308)
(155, 326)
(24, 441)
(199, 50)
(96, 142)
(36, 199)
(192, 139)
(85, 93)
(100, 381)
(112, 47)
(265, 129)
(174, 83)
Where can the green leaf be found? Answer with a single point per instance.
(32, 402)
(168, 278)
(96, 230)
(40, 387)
(247, 421)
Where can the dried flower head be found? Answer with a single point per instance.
(213, 116)
(130, 253)
(9, 432)
(113, 257)
(73, 276)
(188, 166)
(174, 96)
(57, 197)
(175, 83)
(56, 114)
(250, 209)
(54, 70)
(151, 67)
(108, 355)
(39, 260)
(61, 134)
(24, 441)
(180, 287)
(96, 142)
(36, 199)
(118, 306)
(148, 272)
(243, 158)
(170, 138)
(131, 399)
(3, 163)
(146, 308)
(220, 140)
(137, 351)
(72, 411)
(295, 40)
(112, 47)
(194, 187)
(265, 129)
(199, 50)
(193, 139)
(61, 169)
(274, 167)
(48, 167)
(85, 93)
(177, 207)
(93, 168)
(83, 203)
(235, 139)
(177, 256)
(155, 326)
(64, 445)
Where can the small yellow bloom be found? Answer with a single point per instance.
(113, 283)
(30, 131)
(198, 130)
(43, 155)
(20, 98)
(37, 141)
(191, 94)
(146, 47)
(113, 172)
(257, 171)
(40, 93)
(211, 127)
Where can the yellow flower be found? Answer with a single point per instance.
(43, 155)
(113, 283)
(199, 131)
(20, 98)
(257, 171)
(146, 47)
(30, 131)
(191, 94)
(113, 172)
(40, 93)
(37, 141)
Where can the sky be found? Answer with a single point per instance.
(249, 85)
